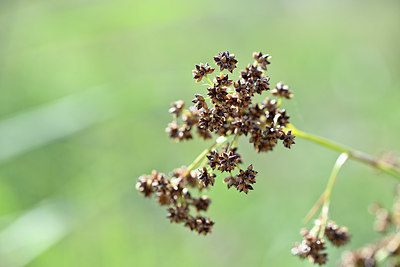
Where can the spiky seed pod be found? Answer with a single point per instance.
(227, 161)
(201, 71)
(363, 257)
(173, 130)
(187, 178)
(191, 116)
(178, 214)
(206, 178)
(144, 185)
(213, 159)
(200, 102)
(230, 181)
(281, 117)
(226, 61)
(261, 85)
(263, 60)
(251, 73)
(319, 259)
(203, 225)
(288, 139)
(201, 203)
(222, 80)
(205, 119)
(245, 179)
(177, 107)
(191, 223)
(282, 90)
(185, 132)
(311, 248)
(203, 133)
(339, 236)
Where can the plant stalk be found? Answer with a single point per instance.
(220, 140)
(357, 155)
(327, 194)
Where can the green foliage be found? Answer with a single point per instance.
(133, 58)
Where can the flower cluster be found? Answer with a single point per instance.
(313, 244)
(174, 193)
(388, 248)
(226, 110)
(231, 110)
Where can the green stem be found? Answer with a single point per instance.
(315, 208)
(278, 104)
(357, 155)
(208, 79)
(235, 139)
(220, 140)
(327, 194)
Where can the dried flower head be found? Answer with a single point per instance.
(362, 258)
(226, 61)
(282, 91)
(203, 225)
(206, 178)
(263, 60)
(201, 71)
(201, 203)
(311, 248)
(226, 109)
(339, 236)
(177, 107)
(313, 243)
(230, 111)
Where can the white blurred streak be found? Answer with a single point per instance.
(34, 232)
(26, 131)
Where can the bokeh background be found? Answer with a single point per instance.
(85, 87)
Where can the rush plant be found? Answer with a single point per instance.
(227, 112)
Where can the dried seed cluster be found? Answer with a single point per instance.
(338, 236)
(384, 218)
(227, 110)
(364, 257)
(232, 110)
(174, 193)
(313, 246)
(389, 245)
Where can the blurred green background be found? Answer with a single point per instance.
(85, 87)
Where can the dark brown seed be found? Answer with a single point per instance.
(201, 71)
(226, 61)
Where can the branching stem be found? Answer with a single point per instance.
(357, 155)
(327, 194)
(208, 79)
(220, 140)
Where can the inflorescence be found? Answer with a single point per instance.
(387, 249)
(313, 243)
(228, 111)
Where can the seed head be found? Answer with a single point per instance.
(226, 61)
(282, 91)
(201, 71)
(339, 236)
(206, 178)
(177, 107)
(263, 60)
(201, 203)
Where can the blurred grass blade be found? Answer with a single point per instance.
(34, 232)
(28, 130)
